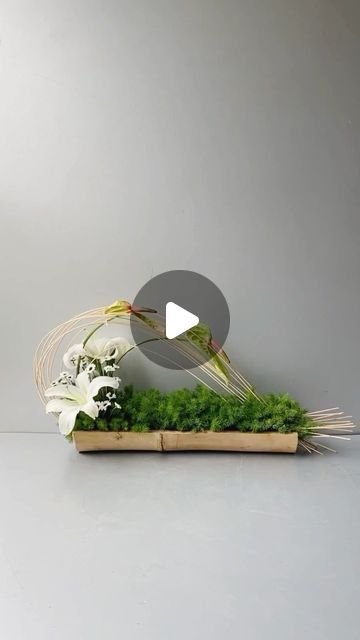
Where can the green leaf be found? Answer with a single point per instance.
(200, 334)
(220, 366)
(146, 320)
(220, 352)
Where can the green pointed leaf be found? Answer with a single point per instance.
(220, 366)
(146, 320)
(199, 334)
(222, 354)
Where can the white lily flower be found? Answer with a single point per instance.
(69, 400)
(70, 358)
(103, 349)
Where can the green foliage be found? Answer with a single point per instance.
(199, 409)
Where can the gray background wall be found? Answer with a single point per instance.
(223, 137)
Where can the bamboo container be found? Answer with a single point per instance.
(185, 441)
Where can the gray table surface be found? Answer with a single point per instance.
(174, 546)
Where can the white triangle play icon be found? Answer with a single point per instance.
(178, 320)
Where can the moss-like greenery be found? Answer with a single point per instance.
(199, 409)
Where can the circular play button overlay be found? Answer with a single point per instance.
(180, 319)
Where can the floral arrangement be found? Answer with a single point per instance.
(90, 390)
(88, 395)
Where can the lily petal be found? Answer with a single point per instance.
(56, 405)
(91, 409)
(74, 351)
(60, 391)
(67, 419)
(102, 348)
(101, 381)
(95, 348)
(121, 345)
(83, 382)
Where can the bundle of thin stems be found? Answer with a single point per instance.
(323, 423)
(328, 423)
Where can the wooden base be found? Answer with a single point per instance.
(185, 441)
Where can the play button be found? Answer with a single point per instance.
(178, 320)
